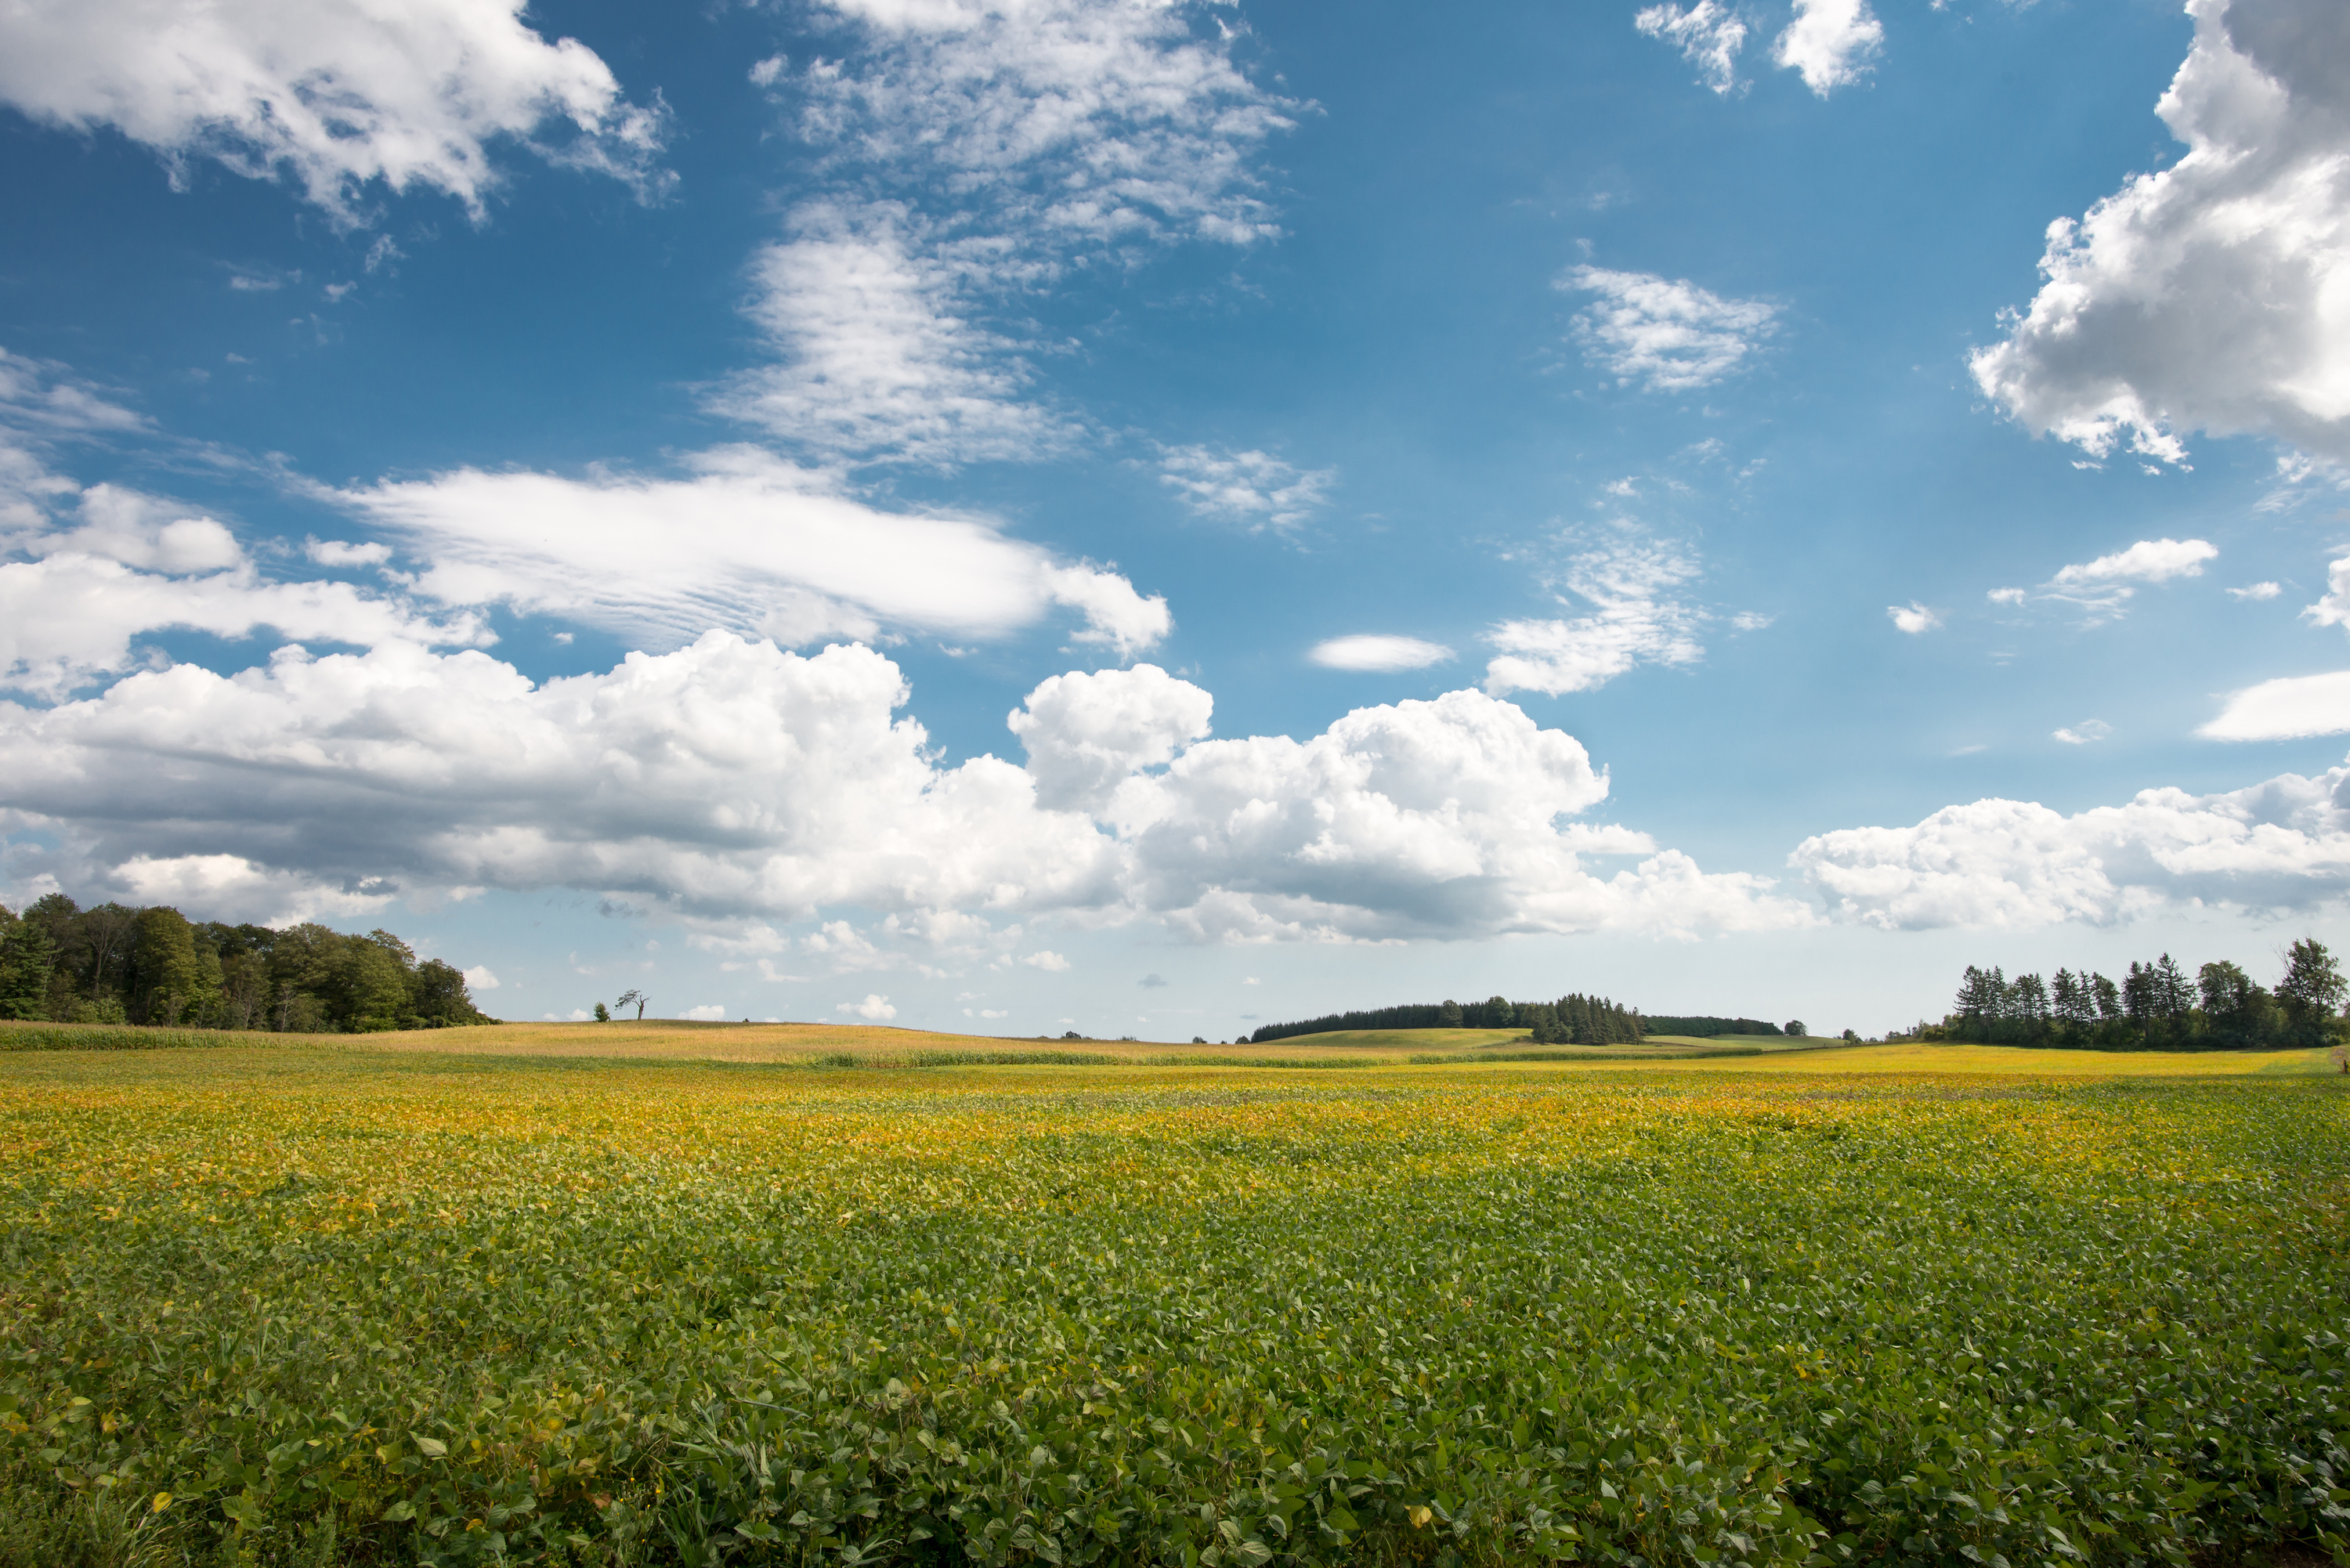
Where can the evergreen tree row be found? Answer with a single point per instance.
(1708, 1028)
(1576, 1019)
(110, 964)
(2155, 1007)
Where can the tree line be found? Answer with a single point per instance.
(2154, 1007)
(1708, 1028)
(113, 964)
(1572, 1020)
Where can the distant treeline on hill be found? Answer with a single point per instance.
(117, 965)
(1572, 1020)
(1707, 1028)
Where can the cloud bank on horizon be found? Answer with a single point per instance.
(1072, 360)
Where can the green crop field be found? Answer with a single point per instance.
(581, 1298)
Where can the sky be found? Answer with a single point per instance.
(1155, 516)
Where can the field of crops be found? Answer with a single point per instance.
(323, 1304)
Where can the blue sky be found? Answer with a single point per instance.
(1562, 497)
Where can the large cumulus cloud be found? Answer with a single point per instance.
(2214, 294)
(2284, 844)
(735, 780)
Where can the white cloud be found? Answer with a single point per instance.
(708, 1012)
(2281, 844)
(1709, 35)
(337, 93)
(877, 355)
(1077, 119)
(1378, 651)
(747, 537)
(341, 552)
(2088, 732)
(2257, 591)
(1750, 621)
(976, 150)
(2214, 294)
(1636, 617)
(2333, 608)
(732, 781)
(1085, 733)
(2007, 596)
(1670, 335)
(2287, 709)
(1416, 818)
(1830, 42)
(874, 1009)
(71, 618)
(481, 978)
(1913, 618)
(1048, 961)
(1251, 487)
(2147, 561)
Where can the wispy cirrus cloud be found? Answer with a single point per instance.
(1707, 34)
(1252, 487)
(975, 152)
(1665, 335)
(1629, 587)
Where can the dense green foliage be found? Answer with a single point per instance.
(1708, 1028)
(2154, 1008)
(1573, 1019)
(440, 1309)
(110, 964)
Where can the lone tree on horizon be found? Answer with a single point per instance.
(626, 997)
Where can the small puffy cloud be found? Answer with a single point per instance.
(1631, 586)
(1707, 34)
(874, 1009)
(480, 978)
(1048, 961)
(1252, 487)
(341, 552)
(709, 1013)
(141, 530)
(2007, 596)
(2147, 561)
(774, 546)
(1152, 983)
(1085, 733)
(2085, 733)
(1830, 43)
(2277, 846)
(337, 93)
(1750, 621)
(1378, 651)
(2256, 591)
(1913, 618)
(2208, 295)
(1669, 336)
(2287, 709)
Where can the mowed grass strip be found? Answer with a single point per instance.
(455, 1309)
